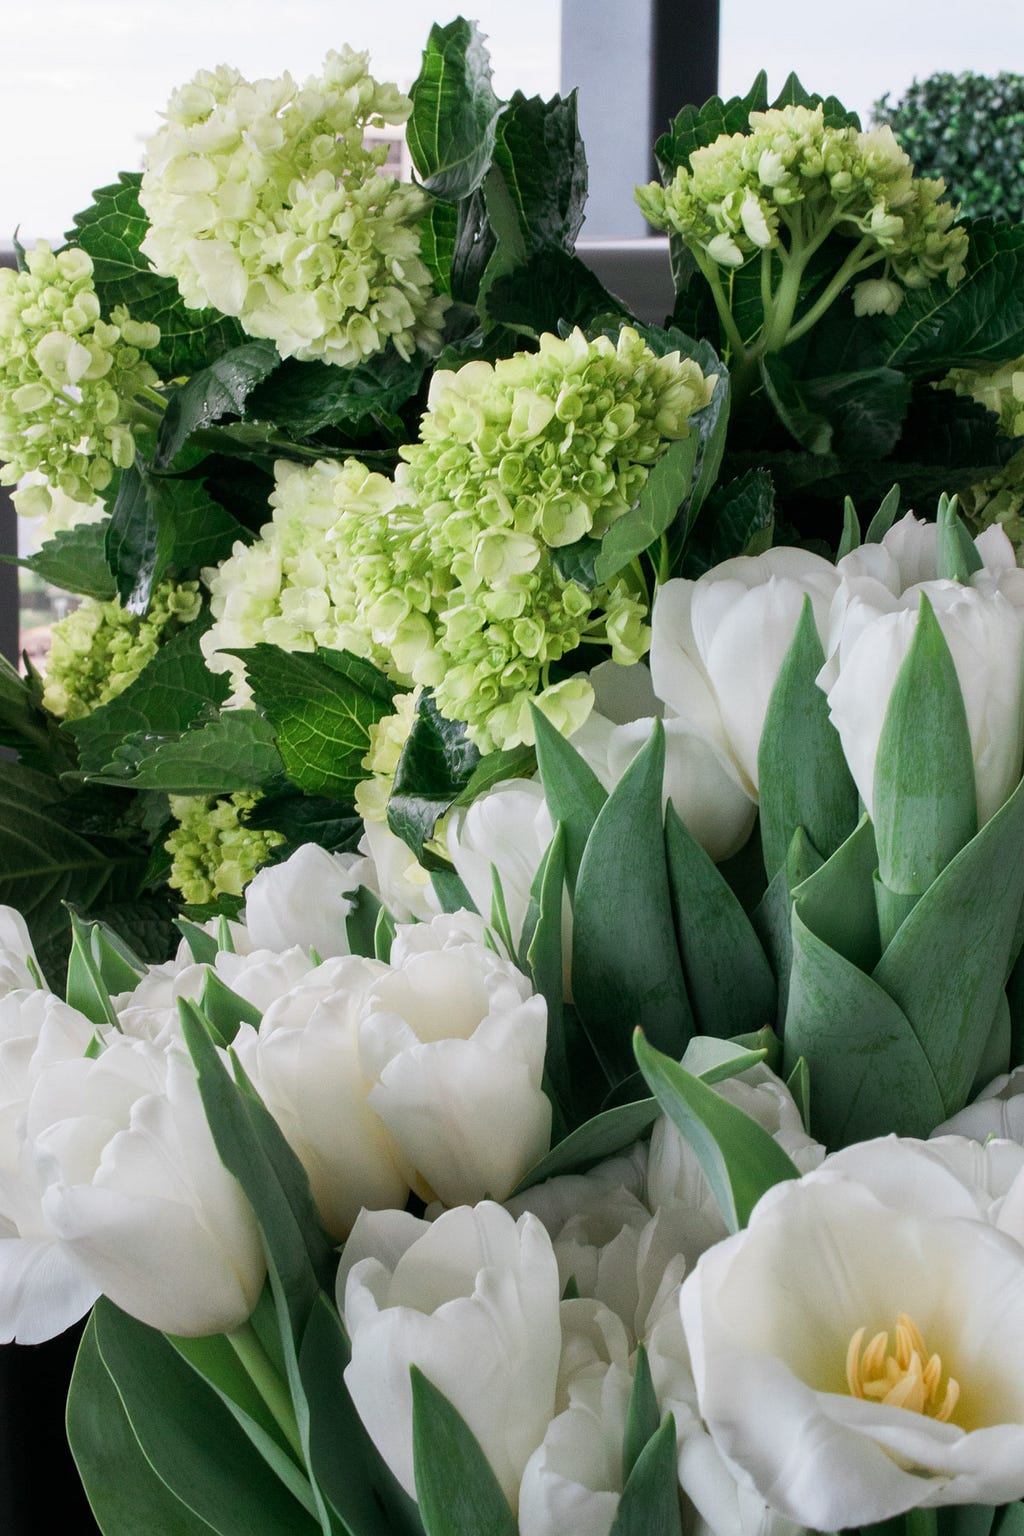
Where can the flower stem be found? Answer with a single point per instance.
(857, 261)
(262, 1373)
(712, 276)
(922, 1522)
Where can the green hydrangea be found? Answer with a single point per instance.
(447, 577)
(388, 736)
(67, 377)
(785, 186)
(265, 202)
(213, 852)
(100, 647)
(1000, 499)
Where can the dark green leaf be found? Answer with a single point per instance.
(542, 952)
(437, 763)
(306, 819)
(451, 131)
(650, 1500)
(307, 397)
(667, 487)
(884, 518)
(835, 114)
(86, 989)
(124, 1491)
(167, 696)
(224, 1010)
(540, 152)
(111, 230)
(163, 527)
(643, 1415)
(457, 1491)
(591, 1143)
(695, 127)
(577, 562)
(737, 519)
(572, 789)
(495, 768)
(75, 560)
(234, 751)
(806, 425)
(548, 290)
(865, 410)
(617, 986)
(321, 706)
(837, 901)
(219, 390)
(361, 923)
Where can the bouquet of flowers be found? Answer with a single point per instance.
(512, 1011)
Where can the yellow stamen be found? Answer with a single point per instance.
(903, 1375)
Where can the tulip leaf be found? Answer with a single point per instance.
(643, 1415)
(451, 130)
(203, 945)
(86, 989)
(802, 774)
(668, 486)
(124, 1491)
(850, 539)
(456, 1489)
(190, 1438)
(383, 935)
(624, 874)
(957, 557)
(925, 802)
(837, 901)
(450, 891)
(885, 517)
(607, 1133)
(649, 1505)
(542, 938)
(770, 920)
(728, 978)
(361, 922)
(346, 1466)
(572, 789)
(740, 1159)
(869, 1081)
(948, 963)
(224, 1010)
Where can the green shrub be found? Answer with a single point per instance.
(969, 129)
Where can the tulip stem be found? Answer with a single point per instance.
(922, 1522)
(264, 1376)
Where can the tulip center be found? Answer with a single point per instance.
(901, 1374)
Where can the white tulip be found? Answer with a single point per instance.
(136, 1189)
(393, 873)
(908, 555)
(573, 1480)
(304, 1062)
(997, 1111)
(43, 1289)
(811, 1393)
(19, 967)
(719, 642)
(303, 901)
(472, 1300)
(508, 827)
(454, 1040)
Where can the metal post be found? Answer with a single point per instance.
(8, 579)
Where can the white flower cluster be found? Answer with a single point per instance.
(265, 202)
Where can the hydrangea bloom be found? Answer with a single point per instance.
(446, 576)
(52, 510)
(790, 182)
(67, 377)
(213, 853)
(265, 203)
(1000, 499)
(100, 647)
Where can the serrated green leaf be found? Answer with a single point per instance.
(737, 519)
(305, 819)
(547, 290)
(304, 398)
(572, 789)
(167, 696)
(540, 152)
(219, 390)
(695, 127)
(807, 426)
(925, 803)
(321, 706)
(865, 411)
(75, 560)
(802, 773)
(111, 230)
(437, 764)
(834, 113)
(623, 871)
(728, 978)
(739, 1158)
(234, 751)
(163, 526)
(456, 1489)
(451, 130)
(667, 487)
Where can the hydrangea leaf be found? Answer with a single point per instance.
(111, 231)
(667, 487)
(737, 519)
(451, 131)
(75, 560)
(540, 152)
(218, 390)
(805, 425)
(321, 707)
(306, 397)
(189, 1435)
(695, 127)
(305, 819)
(163, 526)
(835, 114)
(865, 410)
(233, 751)
(437, 764)
(546, 291)
(980, 321)
(456, 1489)
(166, 697)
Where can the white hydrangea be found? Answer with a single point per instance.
(264, 202)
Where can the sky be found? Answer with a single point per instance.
(84, 80)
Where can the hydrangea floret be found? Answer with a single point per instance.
(447, 576)
(780, 190)
(52, 510)
(100, 647)
(68, 377)
(213, 852)
(1000, 498)
(265, 202)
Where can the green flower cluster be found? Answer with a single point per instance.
(213, 853)
(100, 647)
(448, 576)
(67, 377)
(791, 181)
(265, 202)
(999, 499)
